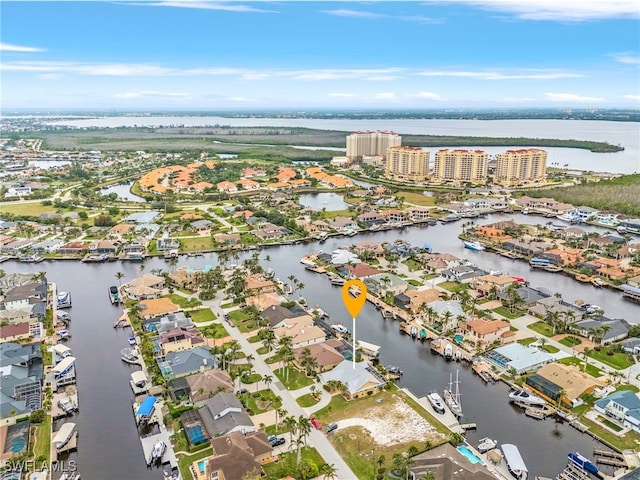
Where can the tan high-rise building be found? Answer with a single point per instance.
(408, 163)
(371, 143)
(516, 167)
(460, 166)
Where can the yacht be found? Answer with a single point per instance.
(476, 246)
(583, 463)
(448, 351)
(436, 402)
(527, 398)
(452, 397)
(64, 300)
(67, 405)
(114, 296)
(486, 444)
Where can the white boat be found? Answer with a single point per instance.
(486, 444)
(337, 281)
(63, 333)
(340, 328)
(132, 340)
(452, 397)
(448, 351)
(67, 405)
(113, 294)
(436, 402)
(526, 398)
(63, 300)
(157, 452)
(476, 246)
(514, 461)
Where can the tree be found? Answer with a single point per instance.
(585, 353)
(291, 424)
(328, 471)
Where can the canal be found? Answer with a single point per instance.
(108, 443)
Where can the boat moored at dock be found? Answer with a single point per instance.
(515, 463)
(485, 444)
(583, 462)
(63, 300)
(436, 402)
(527, 398)
(114, 295)
(476, 246)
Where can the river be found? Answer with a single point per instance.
(615, 133)
(108, 443)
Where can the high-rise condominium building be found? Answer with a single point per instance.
(371, 143)
(460, 166)
(515, 167)
(408, 163)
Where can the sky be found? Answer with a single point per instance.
(237, 55)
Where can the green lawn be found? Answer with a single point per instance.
(192, 244)
(591, 369)
(506, 313)
(215, 330)
(415, 283)
(550, 349)
(286, 466)
(527, 341)
(203, 315)
(412, 265)
(570, 341)
(452, 286)
(307, 400)
(184, 302)
(242, 321)
(297, 379)
(27, 209)
(261, 401)
(627, 442)
(417, 198)
(43, 439)
(619, 361)
(542, 328)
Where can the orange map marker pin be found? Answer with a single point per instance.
(354, 304)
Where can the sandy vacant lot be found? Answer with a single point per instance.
(392, 423)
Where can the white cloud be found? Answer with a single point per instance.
(632, 97)
(207, 5)
(631, 58)
(385, 96)
(241, 99)
(7, 47)
(150, 93)
(50, 76)
(519, 99)
(561, 10)
(105, 69)
(354, 13)
(343, 95)
(572, 97)
(429, 95)
(524, 75)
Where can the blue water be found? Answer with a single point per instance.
(195, 435)
(472, 457)
(201, 466)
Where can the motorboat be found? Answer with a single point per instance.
(63, 333)
(132, 341)
(448, 351)
(67, 405)
(337, 281)
(63, 300)
(30, 259)
(485, 444)
(129, 356)
(583, 462)
(526, 398)
(436, 402)
(114, 296)
(393, 370)
(340, 328)
(157, 451)
(476, 246)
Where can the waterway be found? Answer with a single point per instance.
(327, 201)
(615, 133)
(123, 192)
(108, 443)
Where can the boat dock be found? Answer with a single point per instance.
(447, 418)
(439, 346)
(607, 457)
(122, 321)
(67, 438)
(485, 372)
(148, 443)
(70, 394)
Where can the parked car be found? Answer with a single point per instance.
(274, 440)
(316, 423)
(242, 391)
(331, 427)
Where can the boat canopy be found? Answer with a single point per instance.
(368, 348)
(146, 407)
(513, 458)
(63, 435)
(64, 366)
(139, 377)
(61, 350)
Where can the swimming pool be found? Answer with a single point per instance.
(472, 457)
(201, 466)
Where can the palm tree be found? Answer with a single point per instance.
(328, 471)
(267, 379)
(282, 413)
(291, 424)
(304, 429)
(585, 353)
(119, 276)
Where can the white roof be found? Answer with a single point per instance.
(513, 458)
(61, 349)
(63, 365)
(65, 432)
(138, 376)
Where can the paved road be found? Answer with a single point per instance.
(316, 437)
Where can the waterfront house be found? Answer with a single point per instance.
(270, 232)
(301, 330)
(447, 462)
(484, 332)
(417, 214)
(157, 307)
(257, 284)
(22, 375)
(25, 296)
(544, 205)
(369, 250)
(623, 407)
(631, 345)
(136, 249)
(585, 213)
(277, 315)
(486, 283)
(341, 256)
(631, 225)
(142, 217)
(525, 248)
(324, 353)
(544, 307)
(145, 287)
(178, 339)
(186, 362)
(15, 247)
(202, 227)
(462, 273)
(231, 240)
(370, 218)
(385, 283)
(49, 245)
(15, 332)
(207, 384)
(412, 300)
(518, 357)
(223, 413)
(166, 244)
(167, 322)
(343, 224)
(440, 309)
(359, 270)
(564, 256)
(359, 379)
(185, 277)
(553, 378)
(237, 456)
(247, 184)
(103, 247)
(73, 248)
(491, 233)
